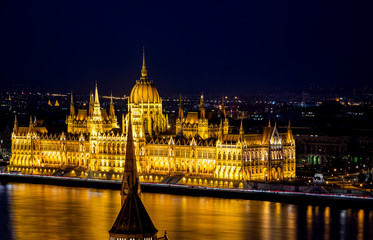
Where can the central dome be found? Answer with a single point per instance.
(144, 91)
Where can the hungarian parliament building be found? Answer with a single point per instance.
(202, 151)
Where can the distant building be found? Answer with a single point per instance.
(315, 150)
(335, 151)
(203, 150)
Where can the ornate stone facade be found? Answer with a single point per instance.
(202, 151)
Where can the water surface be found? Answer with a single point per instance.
(31, 211)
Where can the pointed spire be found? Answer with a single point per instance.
(221, 129)
(202, 107)
(290, 134)
(31, 124)
(242, 131)
(10, 99)
(90, 97)
(130, 175)
(72, 109)
(144, 72)
(269, 123)
(123, 124)
(181, 111)
(96, 95)
(112, 111)
(15, 128)
(57, 104)
(90, 106)
(223, 108)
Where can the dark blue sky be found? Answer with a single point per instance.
(194, 46)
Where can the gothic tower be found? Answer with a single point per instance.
(202, 121)
(180, 119)
(133, 221)
(130, 175)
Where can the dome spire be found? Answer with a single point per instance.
(144, 72)
(96, 95)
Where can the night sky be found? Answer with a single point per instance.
(191, 47)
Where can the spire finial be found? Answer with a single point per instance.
(289, 124)
(72, 109)
(202, 107)
(223, 113)
(181, 111)
(15, 128)
(96, 94)
(269, 123)
(31, 124)
(112, 111)
(144, 72)
(241, 128)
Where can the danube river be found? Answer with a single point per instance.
(30, 211)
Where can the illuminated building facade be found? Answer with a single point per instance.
(202, 151)
(203, 124)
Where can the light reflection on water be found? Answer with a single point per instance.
(52, 212)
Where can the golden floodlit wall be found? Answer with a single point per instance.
(201, 152)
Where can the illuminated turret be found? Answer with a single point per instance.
(202, 108)
(290, 137)
(15, 128)
(31, 124)
(72, 109)
(203, 125)
(242, 131)
(96, 106)
(112, 111)
(90, 106)
(223, 113)
(180, 118)
(181, 111)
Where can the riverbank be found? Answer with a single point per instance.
(336, 200)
